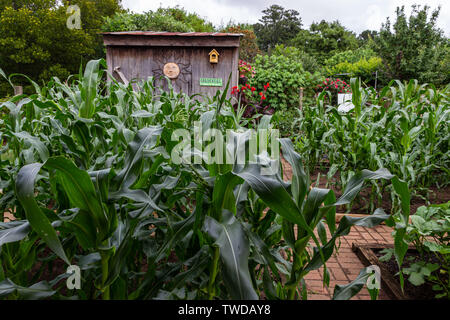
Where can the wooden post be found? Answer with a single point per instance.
(301, 99)
(18, 90)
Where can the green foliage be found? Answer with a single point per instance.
(309, 63)
(361, 63)
(285, 75)
(284, 120)
(414, 48)
(325, 39)
(86, 171)
(174, 19)
(277, 26)
(351, 56)
(367, 36)
(428, 231)
(403, 128)
(193, 20)
(92, 15)
(35, 40)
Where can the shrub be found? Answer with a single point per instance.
(335, 87)
(164, 19)
(362, 63)
(309, 63)
(285, 75)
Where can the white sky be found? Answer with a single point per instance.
(356, 15)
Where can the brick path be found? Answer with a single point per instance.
(345, 266)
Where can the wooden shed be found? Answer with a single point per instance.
(196, 62)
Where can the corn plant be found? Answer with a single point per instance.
(86, 172)
(401, 128)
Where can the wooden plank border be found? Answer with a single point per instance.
(388, 283)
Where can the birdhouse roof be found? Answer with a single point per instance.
(213, 51)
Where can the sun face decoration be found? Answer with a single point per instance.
(171, 70)
(173, 65)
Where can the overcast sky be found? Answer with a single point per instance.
(356, 15)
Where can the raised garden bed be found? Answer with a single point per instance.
(369, 254)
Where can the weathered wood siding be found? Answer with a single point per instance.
(141, 57)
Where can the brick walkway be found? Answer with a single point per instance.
(345, 266)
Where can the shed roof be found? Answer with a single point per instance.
(171, 39)
(178, 34)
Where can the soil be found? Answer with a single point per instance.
(362, 201)
(423, 292)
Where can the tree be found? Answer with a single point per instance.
(366, 36)
(35, 40)
(277, 26)
(308, 62)
(414, 48)
(93, 14)
(248, 48)
(325, 39)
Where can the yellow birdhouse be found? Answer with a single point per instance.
(214, 56)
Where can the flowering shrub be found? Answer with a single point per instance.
(251, 99)
(246, 69)
(286, 76)
(334, 86)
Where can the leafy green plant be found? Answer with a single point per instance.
(285, 76)
(86, 173)
(174, 19)
(428, 232)
(401, 128)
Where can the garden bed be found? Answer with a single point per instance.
(370, 254)
(361, 204)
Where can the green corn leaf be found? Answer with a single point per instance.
(37, 144)
(13, 231)
(38, 220)
(234, 251)
(89, 88)
(300, 181)
(272, 192)
(146, 137)
(357, 181)
(80, 190)
(345, 292)
(40, 290)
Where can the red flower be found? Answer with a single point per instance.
(253, 89)
(263, 97)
